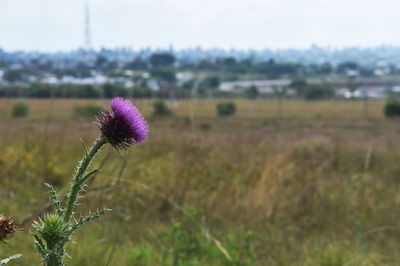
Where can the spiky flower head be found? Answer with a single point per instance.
(7, 227)
(124, 126)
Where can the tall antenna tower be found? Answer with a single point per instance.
(87, 33)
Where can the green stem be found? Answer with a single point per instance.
(54, 260)
(77, 184)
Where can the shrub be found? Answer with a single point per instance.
(226, 109)
(318, 92)
(392, 108)
(20, 110)
(161, 108)
(205, 126)
(88, 110)
(252, 92)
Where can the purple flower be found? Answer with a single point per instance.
(123, 127)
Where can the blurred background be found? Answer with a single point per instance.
(274, 128)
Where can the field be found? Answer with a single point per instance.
(315, 184)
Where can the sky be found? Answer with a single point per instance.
(58, 25)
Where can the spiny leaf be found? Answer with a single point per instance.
(88, 176)
(55, 199)
(84, 147)
(88, 218)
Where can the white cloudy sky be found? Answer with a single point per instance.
(58, 24)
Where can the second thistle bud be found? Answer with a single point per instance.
(7, 227)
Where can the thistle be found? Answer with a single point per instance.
(7, 229)
(122, 127)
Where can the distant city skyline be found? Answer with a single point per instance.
(57, 25)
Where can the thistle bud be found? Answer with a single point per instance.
(52, 229)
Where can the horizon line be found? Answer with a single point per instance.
(204, 48)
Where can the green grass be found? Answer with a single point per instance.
(318, 187)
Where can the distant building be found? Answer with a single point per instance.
(2, 81)
(183, 77)
(352, 73)
(153, 84)
(367, 92)
(263, 86)
(370, 92)
(396, 89)
(372, 88)
(48, 79)
(123, 82)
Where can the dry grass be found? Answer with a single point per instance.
(206, 108)
(317, 187)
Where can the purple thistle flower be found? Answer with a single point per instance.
(123, 127)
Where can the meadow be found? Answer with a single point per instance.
(317, 184)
